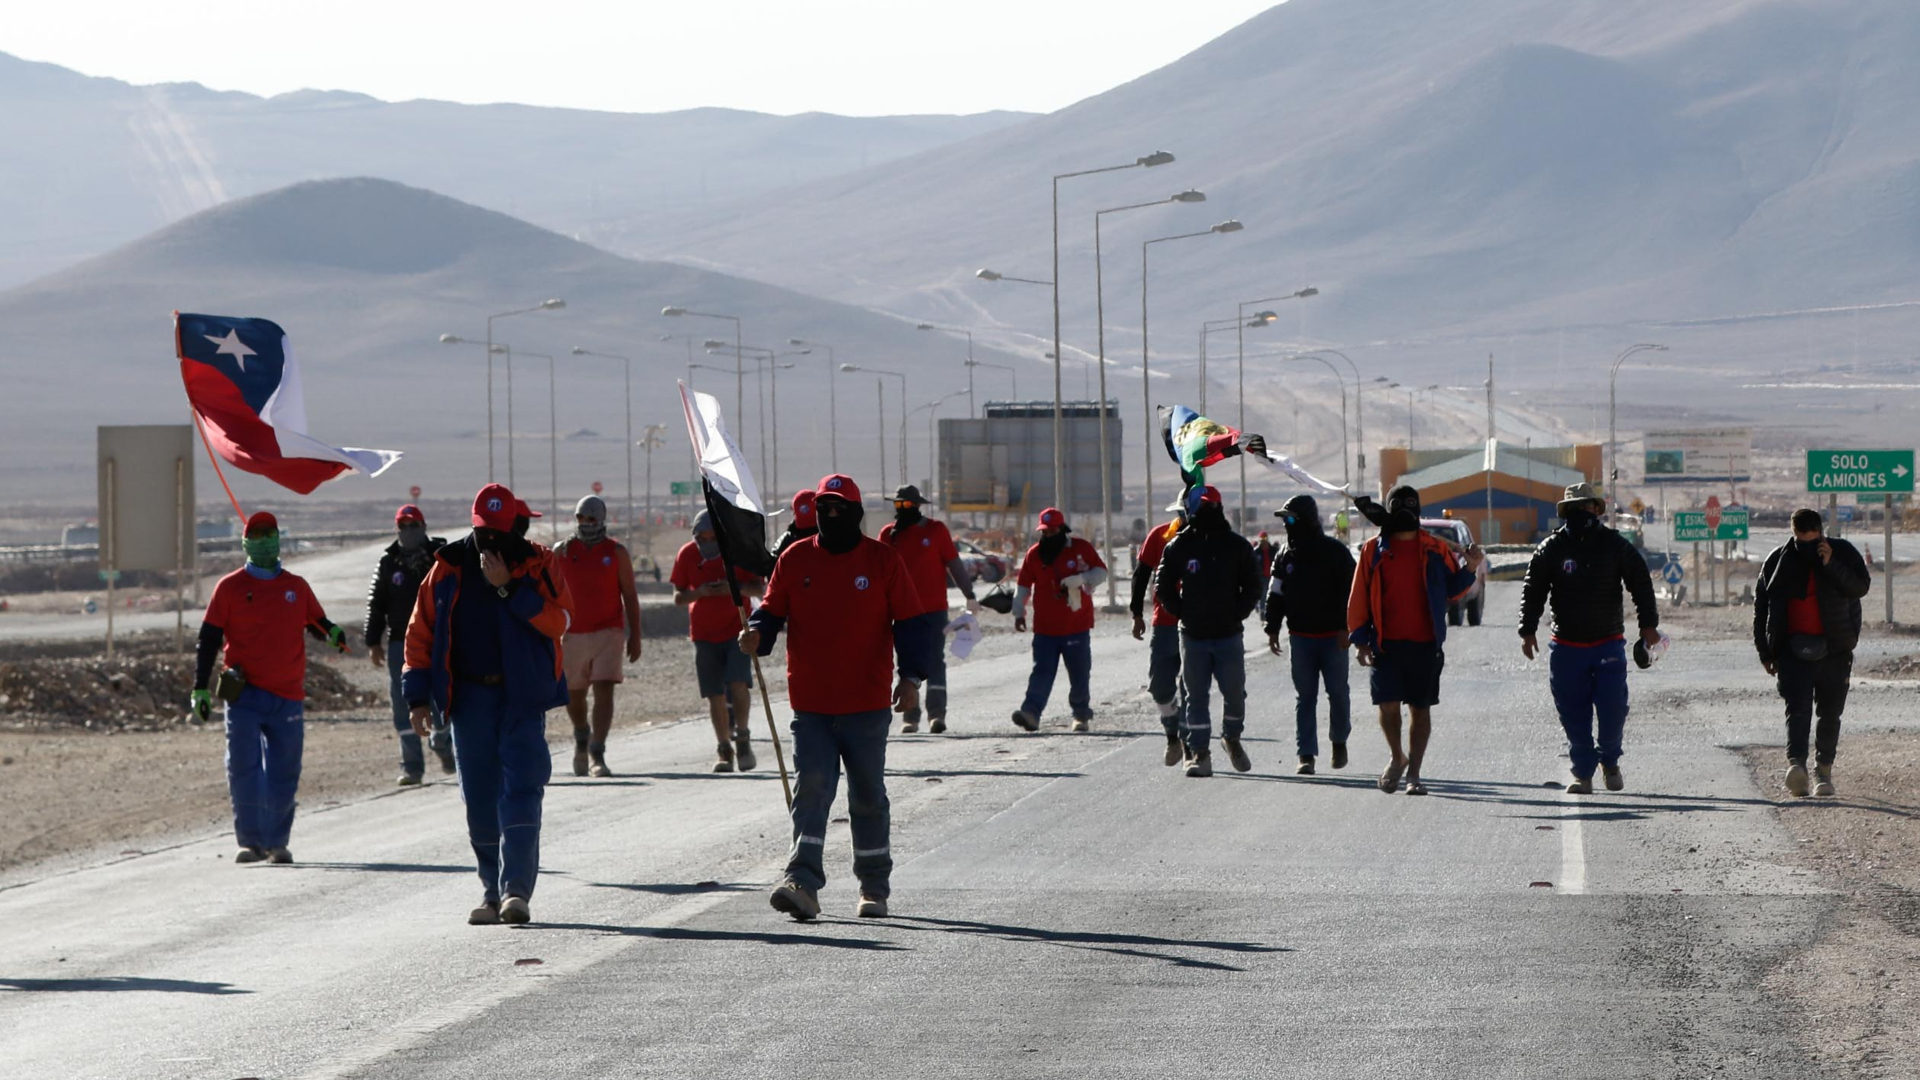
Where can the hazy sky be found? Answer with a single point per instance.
(859, 57)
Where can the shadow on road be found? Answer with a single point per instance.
(384, 867)
(769, 773)
(118, 983)
(680, 933)
(1116, 944)
(931, 773)
(676, 888)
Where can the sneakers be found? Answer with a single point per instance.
(1305, 768)
(937, 725)
(1176, 752)
(1415, 787)
(1823, 780)
(1580, 785)
(1339, 755)
(1615, 781)
(1080, 723)
(1024, 722)
(872, 907)
(515, 911)
(599, 768)
(1201, 765)
(408, 779)
(279, 855)
(910, 721)
(723, 758)
(487, 914)
(743, 752)
(796, 900)
(250, 854)
(1237, 755)
(1797, 778)
(580, 762)
(1389, 781)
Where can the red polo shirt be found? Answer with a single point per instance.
(1051, 615)
(1403, 592)
(265, 622)
(1150, 561)
(593, 577)
(926, 548)
(840, 611)
(709, 618)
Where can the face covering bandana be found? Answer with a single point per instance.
(521, 524)
(839, 527)
(1579, 521)
(412, 536)
(1210, 518)
(1809, 549)
(906, 516)
(590, 530)
(1052, 546)
(263, 551)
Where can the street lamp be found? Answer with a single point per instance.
(971, 411)
(991, 275)
(1264, 318)
(628, 365)
(770, 386)
(1412, 390)
(1341, 381)
(492, 351)
(739, 366)
(553, 443)
(833, 401)
(1207, 330)
(903, 418)
(1613, 441)
(544, 305)
(933, 469)
(652, 439)
(1359, 423)
(1008, 368)
(1148, 161)
(1229, 226)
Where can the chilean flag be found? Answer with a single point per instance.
(244, 385)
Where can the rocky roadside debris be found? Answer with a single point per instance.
(1894, 667)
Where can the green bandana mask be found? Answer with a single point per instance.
(263, 551)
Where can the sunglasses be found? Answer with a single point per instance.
(904, 504)
(830, 508)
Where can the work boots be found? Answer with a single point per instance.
(597, 758)
(581, 760)
(910, 721)
(1200, 765)
(1305, 768)
(1176, 752)
(723, 758)
(743, 751)
(1797, 777)
(1237, 755)
(1823, 780)
(1339, 755)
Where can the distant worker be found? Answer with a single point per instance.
(848, 607)
(1059, 575)
(1263, 547)
(1307, 596)
(1163, 650)
(802, 526)
(255, 622)
(1397, 621)
(723, 672)
(396, 582)
(1806, 624)
(1581, 569)
(1209, 579)
(927, 549)
(605, 629)
(484, 645)
(1343, 527)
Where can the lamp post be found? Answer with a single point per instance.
(1158, 157)
(492, 351)
(993, 275)
(1412, 390)
(1231, 225)
(553, 445)
(1341, 381)
(933, 472)
(1359, 424)
(833, 401)
(771, 358)
(903, 418)
(1613, 440)
(544, 305)
(627, 364)
(1240, 343)
(971, 411)
(739, 366)
(1012, 373)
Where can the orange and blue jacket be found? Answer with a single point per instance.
(538, 611)
(1446, 579)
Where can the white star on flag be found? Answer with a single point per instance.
(232, 346)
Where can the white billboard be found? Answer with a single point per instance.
(1699, 456)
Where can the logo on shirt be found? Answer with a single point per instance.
(1288, 569)
(399, 577)
(1569, 566)
(861, 582)
(926, 541)
(493, 504)
(606, 560)
(1193, 566)
(292, 597)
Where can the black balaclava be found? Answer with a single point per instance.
(839, 532)
(906, 517)
(521, 523)
(1805, 520)
(1052, 545)
(491, 539)
(413, 534)
(1303, 519)
(1210, 518)
(1579, 519)
(1403, 510)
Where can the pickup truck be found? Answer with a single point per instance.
(1456, 535)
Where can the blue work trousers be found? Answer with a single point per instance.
(933, 691)
(1049, 652)
(265, 733)
(1163, 676)
(821, 742)
(504, 768)
(1319, 661)
(412, 761)
(1204, 662)
(1590, 682)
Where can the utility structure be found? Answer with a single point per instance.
(1231, 225)
(771, 359)
(492, 351)
(971, 411)
(1613, 400)
(883, 430)
(833, 399)
(673, 311)
(1240, 345)
(1012, 373)
(627, 365)
(544, 305)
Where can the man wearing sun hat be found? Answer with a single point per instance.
(932, 560)
(1059, 574)
(848, 606)
(396, 582)
(1580, 569)
(1209, 579)
(484, 645)
(256, 622)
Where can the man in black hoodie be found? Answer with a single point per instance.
(1806, 622)
(396, 583)
(1581, 567)
(1209, 579)
(1312, 578)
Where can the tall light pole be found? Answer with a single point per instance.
(771, 358)
(1012, 373)
(833, 401)
(903, 417)
(1412, 390)
(1240, 344)
(933, 471)
(1359, 425)
(971, 411)
(1158, 157)
(553, 445)
(739, 366)
(492, 351)
(654, 437)
(1340, 380)
(628, 365)
(544, 305)
(1231, 225)
(1613, 439)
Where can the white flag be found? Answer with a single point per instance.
(721, 461)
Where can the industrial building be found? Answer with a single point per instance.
(1525, 483)
(1003, 460)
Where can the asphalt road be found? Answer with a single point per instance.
(1064, 905)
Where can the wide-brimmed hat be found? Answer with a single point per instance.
(909, 493)
(1578, 493)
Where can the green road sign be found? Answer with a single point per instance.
(1880, 500)
(1690, 526)
(683, 487)
(1851, 472)
(109, 575)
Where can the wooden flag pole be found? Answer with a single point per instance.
(740, 605)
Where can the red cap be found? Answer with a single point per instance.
(521, 508)
(1205, 495)
(1052, 518)
(838, 486)
(409, 512)
(803, 509)
(494, 507)
(261, 520)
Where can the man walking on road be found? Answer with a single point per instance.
(256, 620)
(1209, 579)
(484, 645)
(848, 606)
(396, 582)
(724, 673)
(802, 526)
(1397, 621)
(1059, 575)
(605, 627)
(1307, 595)
(1806, 623)
(1580, 567)
(1163, 650)
(926, 547)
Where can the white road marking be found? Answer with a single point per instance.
(1573, 848)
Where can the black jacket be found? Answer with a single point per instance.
(1838, 587)
(1312, 579)
(1209, 579)
(396, 583)
(1582, 574)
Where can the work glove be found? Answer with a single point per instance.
(337, 637)
(201, 702)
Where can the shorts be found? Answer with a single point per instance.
(595, 656)
(717, 664)
(1407, 672)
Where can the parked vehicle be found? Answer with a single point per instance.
(1456, 535)
(983, 565)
